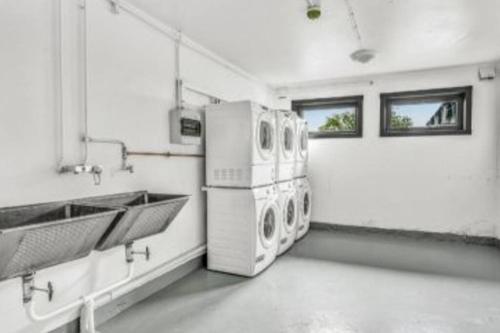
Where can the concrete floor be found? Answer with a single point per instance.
(336, 283)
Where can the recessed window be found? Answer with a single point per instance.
(430, 112)
(339, 117)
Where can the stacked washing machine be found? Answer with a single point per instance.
(252, 206)
(300, 178)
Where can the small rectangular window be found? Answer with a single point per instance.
(339, 117)
(429, 112)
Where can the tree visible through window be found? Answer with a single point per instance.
(332, 117)
(400, 121)
(345, 121)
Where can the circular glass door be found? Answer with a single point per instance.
(303, 142)
(265, 137)
(290, 214)
(268, 226)
(306, 203)
(287, 141)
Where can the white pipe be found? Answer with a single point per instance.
(59, 91)
(31, 311)
(84, 36)
(154, 274)
(122, 287)
(354, 22)
(200, 91)
(186, 42)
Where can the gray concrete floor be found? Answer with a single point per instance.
(336, 283)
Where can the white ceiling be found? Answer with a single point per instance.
(274, 40)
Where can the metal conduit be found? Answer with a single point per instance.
(165, 154)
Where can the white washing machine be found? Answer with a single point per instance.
(243, 229)
(301, 148)
(240, 145)
(304, 197)
(287, 132)
(289, 214)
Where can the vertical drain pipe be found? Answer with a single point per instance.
(83, 167)
(85, 94)
(59, 84)
(178, 81)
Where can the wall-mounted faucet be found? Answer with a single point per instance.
(96, 170)
(125, 166)
(78, 169)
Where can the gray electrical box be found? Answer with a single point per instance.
(186, 126)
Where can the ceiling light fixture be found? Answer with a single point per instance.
(361, 55)
(313, 10)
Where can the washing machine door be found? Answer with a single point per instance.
(268, 226)
(290, 213)
(303, 141)
(287, 138)
(306, 204)
(266, 135)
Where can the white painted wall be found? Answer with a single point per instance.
(433, 183)
(131, 79)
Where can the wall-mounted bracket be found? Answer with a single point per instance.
(130, 253)
(29, 288)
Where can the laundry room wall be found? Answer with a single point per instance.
(430, 183)
(497, 112)
(131, 89)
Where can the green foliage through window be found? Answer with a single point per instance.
(400, 122)
(345, 121)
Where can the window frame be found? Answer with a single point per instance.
(355, 101)
(464, 113)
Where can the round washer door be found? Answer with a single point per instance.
(306, 204)
(290, 214)
(268, 225)
(265, 135)
(303, 141)
(287, 138)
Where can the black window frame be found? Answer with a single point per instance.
(464, 115)
(344, 101)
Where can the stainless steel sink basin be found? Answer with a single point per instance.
(38, 236)
(145, 214)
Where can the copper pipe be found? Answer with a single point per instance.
(166, 154)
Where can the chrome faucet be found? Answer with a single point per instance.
(78, 169)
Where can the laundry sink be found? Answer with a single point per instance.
(145, 214)
(37, 236)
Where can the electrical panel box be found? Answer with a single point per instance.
(186, 126)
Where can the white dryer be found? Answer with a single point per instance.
(243, 229)
(240, 145)
(301, 148)
(289, 214)
(287, 133)
(304, 196)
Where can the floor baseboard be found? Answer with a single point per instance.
(414, 234)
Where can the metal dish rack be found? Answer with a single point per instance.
(38, 236)
(145, 214)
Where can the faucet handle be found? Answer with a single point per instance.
(97, 169)
(96, 172)
(130, 168)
